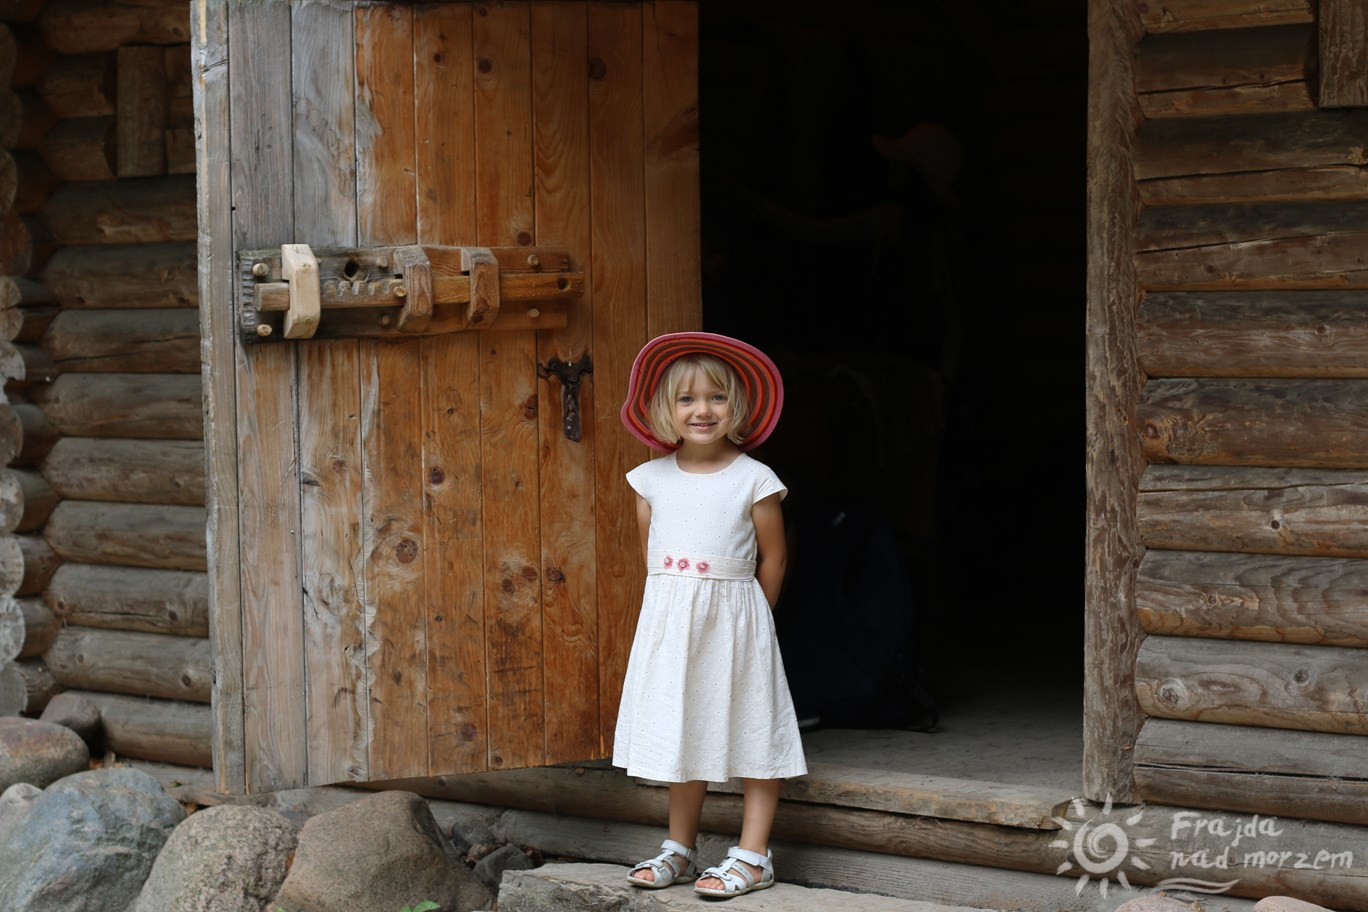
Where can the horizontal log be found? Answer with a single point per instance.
(16, 244)
(24, 119)
(1312, 423)
(87, 26)
(1316, 513)
(12, 630)
(142, 111)
(13, 565)
(1301, 775)
(1264, 158)
(38, 434)
(131, 598)
(41, 626)
(128, 471)
(35, 182)
(1226, 72)
(9, 180)
(139, 664)
(82, 85)
(32, 55)
(39, 500)
(164, 341)
(124, 276)
(1284, 245)
(138, 535)
(11, 501)
(39, 684)
(1312, 600)
(1254, 334)
(168, 731)
(1202, 15)
(38, 561)
(11, 433)
(38, 368)
(1268, 685)
(32, 322)
(24, 293)
(124, 405)
(81, 149)
(150, 211)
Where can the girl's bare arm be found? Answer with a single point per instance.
(643, 510)
(772, 546)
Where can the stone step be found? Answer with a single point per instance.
(603, 888)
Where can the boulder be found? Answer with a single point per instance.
(380, 852)
(1286, 904)
(38, 753)
(1155, 902)
(14, 805)
(87, 843)
(77, 713)
(229, 858)
(490, 869)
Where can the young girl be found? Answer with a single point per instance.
(705, 698)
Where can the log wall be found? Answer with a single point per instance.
(1251, 337)
(102, 546)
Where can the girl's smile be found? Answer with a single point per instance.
(702, 414)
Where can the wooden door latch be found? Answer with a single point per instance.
(383, 292)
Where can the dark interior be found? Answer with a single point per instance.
(893, 207)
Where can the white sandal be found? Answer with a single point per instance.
(736, 878)
(665, 868)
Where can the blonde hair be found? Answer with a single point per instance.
(660, 415)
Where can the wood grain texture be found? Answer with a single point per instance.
(88, 26)
(137, 471)
(169, 731)
(126, 276)
(131, 598)
(118, 341)
(1309, 512)
(560, 85)
(618, 287)
(1269, 685)
(41, 627)
(124, 405)
(1311, 423)
(1312, 600)
(141, 111)
(140, 664)
(1254, 334)
(1301, 775)
(454, 559)
(1259, 158)
(1226, 72)
(1307, 244)
(123, 212)
(27, 562)
(81, 85)
(509, 396)
(1202, 15)
(139, 535)
(1114, 461)
(1343, 46)
(81, 149)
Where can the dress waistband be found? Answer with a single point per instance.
(699, 565)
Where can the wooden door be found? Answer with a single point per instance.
(415, 571)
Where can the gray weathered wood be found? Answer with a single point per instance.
(14, 565)
(149, 211)
(1343, 48)
(87, 26)
(37, 683)
(141, 113)
(13, 629)
(131, 598)
(37, 434)
(1271, 685)
(1114, 462)
(80, 149)
(139, 535)
(169, 731)
(1202, 15)
(130, 471)
(80, 85)
(1255, 510)
(126, 276)
(40, 627)
(1254, 597)
(1224, 72)
(114, 341)
(37, 562)
(144, 406)
(141, 664)
(39, 499)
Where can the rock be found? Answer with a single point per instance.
(14, 805)
(381, 852)
(1286, 904)
(490, 869)
(229, 858)
(469, 833)
(1157, 902)
(38, 753)
(77, 713)
(87, 842)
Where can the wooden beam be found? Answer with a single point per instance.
(140, 664)
(1318, 513)
(39, 684)
(81, 149)
(139, 535)
(1343, 64)
(41, 626)
(1293, 774)
(1313, 600)
(37, 437)
(35, 181)
(37, 564)
(124, 405)
(131, 598)
(1270, 685)
(80, 86)
(129, 471)
(88, 26)
(142, 111)
(38, 498)
(125, 276)
(117, 341)
(123, 212)
(1254, 334)
(1204, 15)
(169, 731)
(1306, 423)
(1226, 72)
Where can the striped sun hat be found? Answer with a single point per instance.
(759, 378)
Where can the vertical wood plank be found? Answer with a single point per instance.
(268, 482)
(209, 32)
(508, 395)
(560, 95)
(330, 462)
(1343, 69)
(394, 540)
(453, 560)
(670, 89)
(1112, 634)
(618, 287)
(141, 110)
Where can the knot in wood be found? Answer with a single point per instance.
(529, 573)
(406, 551)
(597, 68)
(485, 65)
(554, 575)
(436, 475)
(1301, 677)
(1172, 692)
(524, 239)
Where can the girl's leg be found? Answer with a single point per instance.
(686, 808)
(759, 806)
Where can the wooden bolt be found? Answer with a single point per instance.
(386, 319)
(533, 260)
(533, 313)
(263, 329)
(400, 291)
(382, 262)
(260, 270)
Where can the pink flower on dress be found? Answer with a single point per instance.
(669, 561)
(683, 563)
(701, 566)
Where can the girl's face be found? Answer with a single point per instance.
(702, 413)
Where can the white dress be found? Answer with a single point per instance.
(705, 695)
